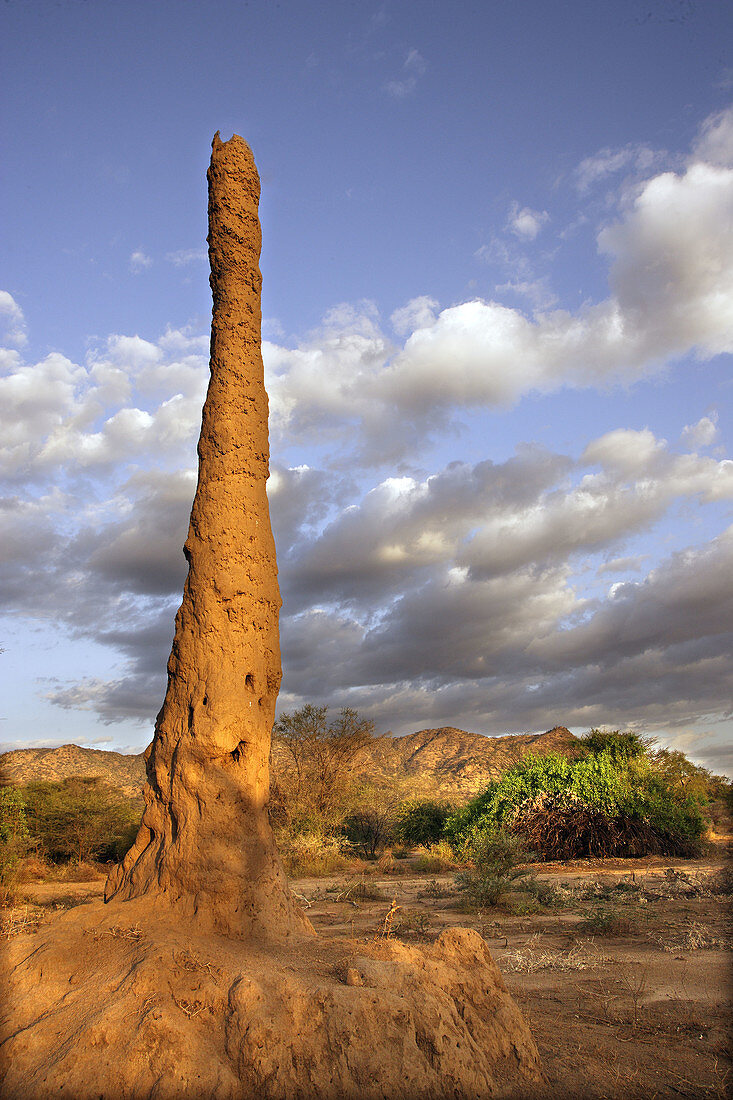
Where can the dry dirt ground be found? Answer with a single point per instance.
(624, 978)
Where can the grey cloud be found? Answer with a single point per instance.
(622, 565)
(689, 596)
(134, 697)
(402, 526)
(300, 499)
(143, 553)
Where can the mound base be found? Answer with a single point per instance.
(136, 1009)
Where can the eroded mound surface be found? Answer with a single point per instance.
(102, 1011)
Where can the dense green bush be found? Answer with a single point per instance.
(605, 790)
(420, 821)
(80, 819)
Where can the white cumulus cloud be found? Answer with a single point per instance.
(139, 261)
(702, 434)
(12, 320)
(413, 67)
(526, 223)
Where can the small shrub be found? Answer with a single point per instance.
(435, 889)
(606, 922)
(385, 863)
(411, 922)
(519, 904)
(33, 869)
(544, 893)
(79, 872)
(493, 869)
(355, 890)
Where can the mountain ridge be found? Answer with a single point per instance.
(445, 762)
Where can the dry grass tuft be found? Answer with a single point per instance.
(188, 960)
(189, 1008)
(77, 872)
(356, 890)
(387, 927)
(312, 855)
(535, 955)
(694, 938)
(116, 933)
(607, 922)
(18, 921)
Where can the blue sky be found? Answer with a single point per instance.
(498, 321)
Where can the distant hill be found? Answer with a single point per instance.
(451, 763)
(444, 763)
(33, 765)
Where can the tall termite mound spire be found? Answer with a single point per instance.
(205, 841)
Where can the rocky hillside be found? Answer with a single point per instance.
(451, 763)
(32, 765)
(444, 763)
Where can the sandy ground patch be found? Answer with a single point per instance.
(640, 1009)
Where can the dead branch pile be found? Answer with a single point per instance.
(553, 832)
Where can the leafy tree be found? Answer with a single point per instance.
(420, 821)
(13, 824)
(80, 818)
(14, 838)
(369, 827)
(686, 779)
(316, 773)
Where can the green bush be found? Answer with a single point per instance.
(420, 821)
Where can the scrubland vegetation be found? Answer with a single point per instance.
(613, 795)
(62, 828)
